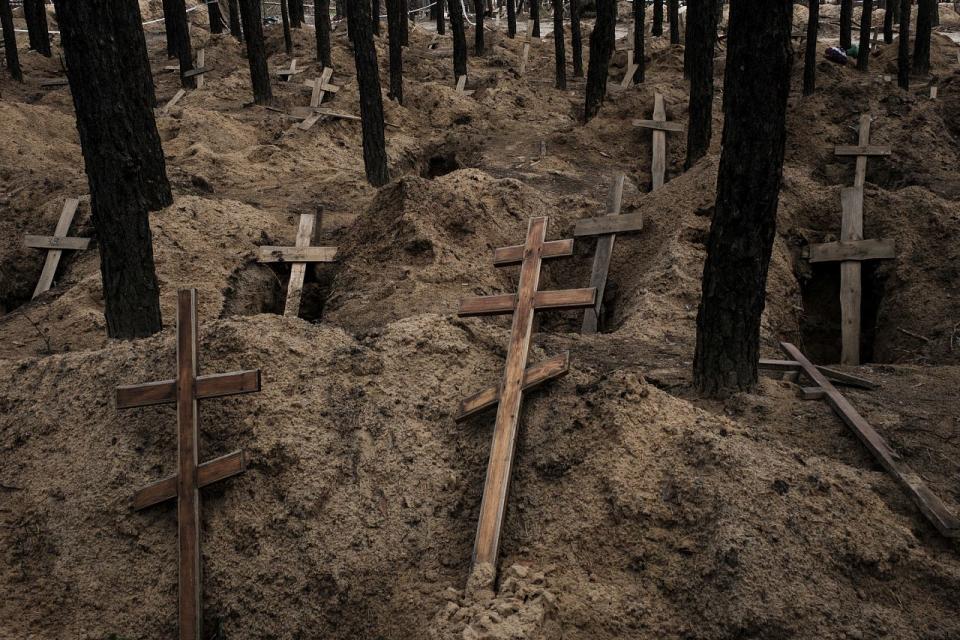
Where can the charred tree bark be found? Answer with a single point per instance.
(181, 41)
(235, 29)
(371, 102)
(10, 41)
(321, 18)
(657, 28)
(375, 16)
(535, 17)
(285, 19)
(216, 18)
(478, 45)
(459, 39)
(639, 27)
(106, 103)
(297, 13)
(889, 13)
(394, 18)
(35, 13)
(511, 19)
(559, 46)
(256, 51)
(576, 38)
(405, 7)
(441, 22)
(846, 24)
(748, 186)
(673, 6)
(903, 46)
(602, 42)
(702, 17)
(170, 29)
(810, 54)
(866, 25)
(921, 39)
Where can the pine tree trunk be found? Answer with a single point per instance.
(903, 46)
(170, 29)
(375, 16)
(321, 18)
(216, 18)
(371, 102)
(511, 19)
(10, 41)
(748, 185)
(657, 29)
(921, 42)
(181, 40)
(406, 22)
(478, 45)
(846, 24)
(702, 18)
(673, 7)
(297, 13)
(535, 17)
(810, 55)
(602, 42)
(35, 13)
(285, 19)
(394, 33)
(559, 46)
(639, 27)
(256, 51)
(888, 16)
(576, 38)
(235, 29)
(441, 22)
(106, 104)
(459, 39)
(866, 26)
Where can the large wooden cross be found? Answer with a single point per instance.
(184, 391)
(516, 377)
(319, 88)
(660, 128)
(288, 73)
(298, 255)
(56, 245)
(927, 501)
(606, 229)
(862, 151)
(632, 67)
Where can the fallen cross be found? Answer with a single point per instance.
(516, 377)
(173, 101)
(631, 70)
(461, 86)
(288, 73)
(319, 89)
(606, 228)
(56, 245)
(298, 255)
(660, 128)
(185, 391)
(928, 502)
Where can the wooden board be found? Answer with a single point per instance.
(53, 257)
(833, 375)
(316, 98)
(850, 276)
(461, 83)
(54, 242)
(858, 250)
(660, 128)
(609, 224)
(602, 255)
(513, 255)
(631, 70)
(299, 269)
(298, 254)
(200, 69)
(538, 374)
(542, 301)
(174, 100)
(207, 473)
(865, 150)
(672, 127)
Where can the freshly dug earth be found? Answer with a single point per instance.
(637, 509)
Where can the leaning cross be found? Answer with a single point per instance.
(516, 377)
(632, 67)
(606, 229)
(660, 128)
(190, 477)
(56, 245)
(299, 255)
(319, 88)
(288, 73)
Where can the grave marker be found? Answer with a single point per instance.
(319, 88)
(191, 476)
(56, 245)
(660, 128)
(461, 86)
(288, 73)
(298, 255)
(631, 69)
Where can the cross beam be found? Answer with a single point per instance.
(516, 377)
(289, 72)
(319, 89)
(56, 245)
(862, 151)
(660, 128)
(299, 255)
(191, 476)
(927, 501)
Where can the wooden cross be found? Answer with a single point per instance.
(462, 84)
(56, 245)
(299, 255)
(928, 502)
(660, 128)
(516, 377)
(185, 391)
(525, 56)
(197, 71)
(606, 228)
(631, 69)
(288, 73)
(862, 151)
(319, 88)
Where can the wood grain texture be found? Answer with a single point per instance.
(602, 256)
(52, 260)
(207, 473)
(53, 242)
(858, 250)
(659, 167)
(513, 255)
(610, 224)
(565, 299)
(299, 269)
(534, 376)
(319, 88)
(209, 386)
(657, 125)
(834, 375)
(174, 100)
(851, 229)
(298, 254)
(487, 305)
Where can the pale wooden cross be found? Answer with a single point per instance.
(928, 502)
(516, 377)
(197, 71)
(606, 229)
(185, 486)
(862, 151)
(462, 84)
(631, 69)
(298, 255)
(525, 56)
(56, 245)
(174, 100)
(319, 88)
(288, 73)
(660, 128)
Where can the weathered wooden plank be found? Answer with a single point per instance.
(207, 473)
(851, 230)
(461, 83)
(812, 393)
(658, 125)
(928, 502)
(55, 82)
(538, 374)
(54, 242)
(851, 250)
(513, 255)
(487, 305)
(631, 70)
(52, 260)
(299, 269)
(565, 299)
(298, 254)
(209, 386)
(609, 224)
(658, 169)
(199, 71)
(174, 100)
(524, 57)
(602, 256)
(833, 375)
(865, 150)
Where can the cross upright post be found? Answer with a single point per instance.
(660, 127)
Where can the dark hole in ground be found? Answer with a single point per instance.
(254, 288)
(316, 290)
(440, 165)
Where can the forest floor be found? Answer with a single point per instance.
(637, 509)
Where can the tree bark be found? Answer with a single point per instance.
(657, 29)
(921, 39)
(846, 24)
(394, 32)
(602, 42)
(748, 185)
(106, 104)
(170, 29)
(511, 19)
(35, 14)
(459, 39)
(371, 102)
(375, 16)
(576, 38)
(441, 22)
(181, 41)
(639, 27)
(866, 25)
(321, 18)
(216, 18)
(535, 17)
(297, 13)
(903, 48)
(702, 17)
(406, 22)
(478, 44)
(285, 19)
(810, 55)
(673, 7)
(256, 51)
(10, 41)
(888, 16)
(559, 46)
(235, 29)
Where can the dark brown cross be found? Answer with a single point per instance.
(184, 391)
(516, 377)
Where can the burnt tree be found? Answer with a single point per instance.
(441, 22)
(903, 46)
(576, 39)
(846, 24)
(371, 102)
(673, 6)
(235, 29)
(511, 19)
(10, 41)
(639, 26)
(657, 28)
(866, 25)
(170, 29)
(181, 42)
(478, 45)
(297, 13)
(810, 54)
(459, 39)
(559, 47)
(285, 20)
(394, 34)
(702, 18)
(921, 39)
(375, 16)
(38, 35)
(602, 42)
(406, 22)
(256, 51)
(535, 17)
(321, 18)
(216, 18)
(748, 185)
(889, 13)
(106, 102)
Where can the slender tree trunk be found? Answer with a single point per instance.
(10, 41)
(511, 19)
(371, 102)
(35, 13)
(170, 29)
(285, 19)
(657, 29)
(106, 102)
(216, 18)
(297, 13)
(406, 22)
(181, 35)
(888, 16)
(903, 46)
(459, 39)
(559, 46)
(748, 186)
(235, 29)
(441, 22)
(338, 7)
(639, 29)
(256, 51)
(846, 24)
(602, 42)
(321, 17)
(810, 55)
(866, 26)
(702, 17)
(921, 42)
(576, 39)
(673, 7)
(394, 32)
(478, 45)
(376, 17)
(535, 17)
